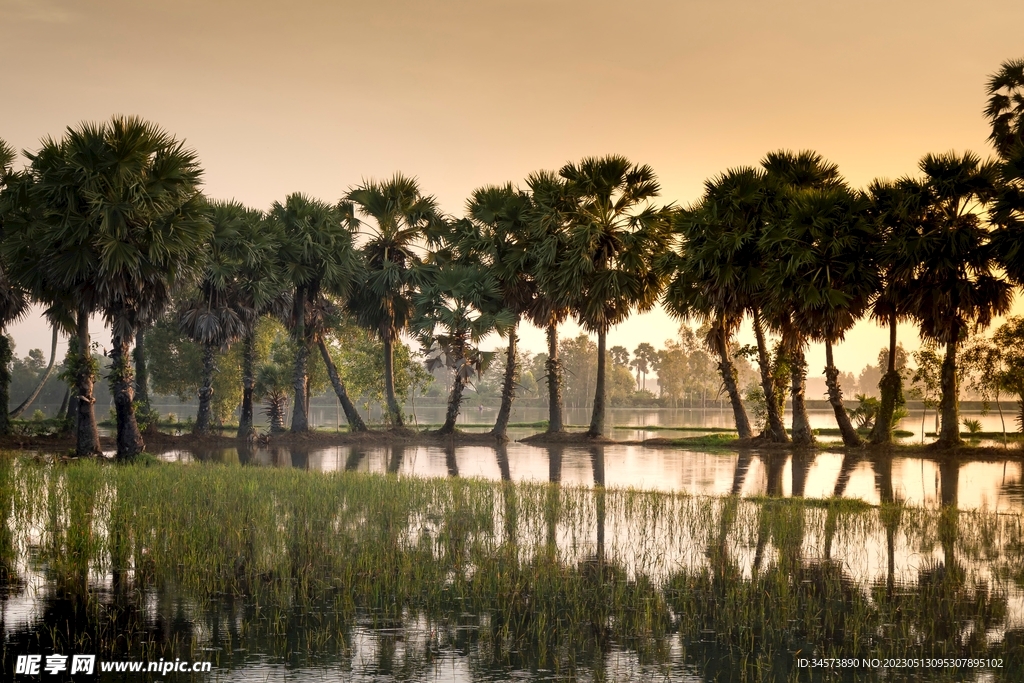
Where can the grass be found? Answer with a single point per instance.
(546, 576)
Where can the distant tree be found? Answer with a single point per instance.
(619, 356)
(644, 357)
(982, 363)
(1008, 362)
(927, 379)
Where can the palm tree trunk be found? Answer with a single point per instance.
(355, 420)
(597, 418)
(62, 411)
(950, 433)
(246, 428)
(5, 382)
(141, 373)
(891, 388)
(776, 431)
(275, 406)
(835, 397)
(129, 439)
(16, 413)
(554, 368)
(455, 395)
(87, 439)
(508, 387)
(394, 410)
(728, 371)
(300, 382)
(802, 435)
(203, 415)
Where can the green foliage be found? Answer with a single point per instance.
(866, 412)
(973, 427)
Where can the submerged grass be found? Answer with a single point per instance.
(532, 576)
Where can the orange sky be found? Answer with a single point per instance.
(315, 96)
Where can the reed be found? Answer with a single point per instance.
(523, 575)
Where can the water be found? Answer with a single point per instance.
(993, 484)
(946, 584)
(956, 576)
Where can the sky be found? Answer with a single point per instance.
(316, 96)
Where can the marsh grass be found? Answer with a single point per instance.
(526, 576)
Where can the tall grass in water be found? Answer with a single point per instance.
(532, 575)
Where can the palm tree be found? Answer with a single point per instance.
(258, 287)
(317, 259)
(615, 236)
(460, 302)
(501, 242)
(824, 276)
(786, 174)
(1006, 114)
(272, 383)
(547, 234)
(897, 218)
(217, 315)
(1005, 110)
(117, 221)
(13, 299)
(382, 303)
(717, 278)
(954, 284)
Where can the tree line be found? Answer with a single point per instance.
(111, 219)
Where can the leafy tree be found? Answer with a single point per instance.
(318, 261)
(927, 379)
(273, 382)
(401, 217)
(579, 364)
(985, 369)
(1008, 363)
(619, 356)
(117, 220)
(615, 237)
